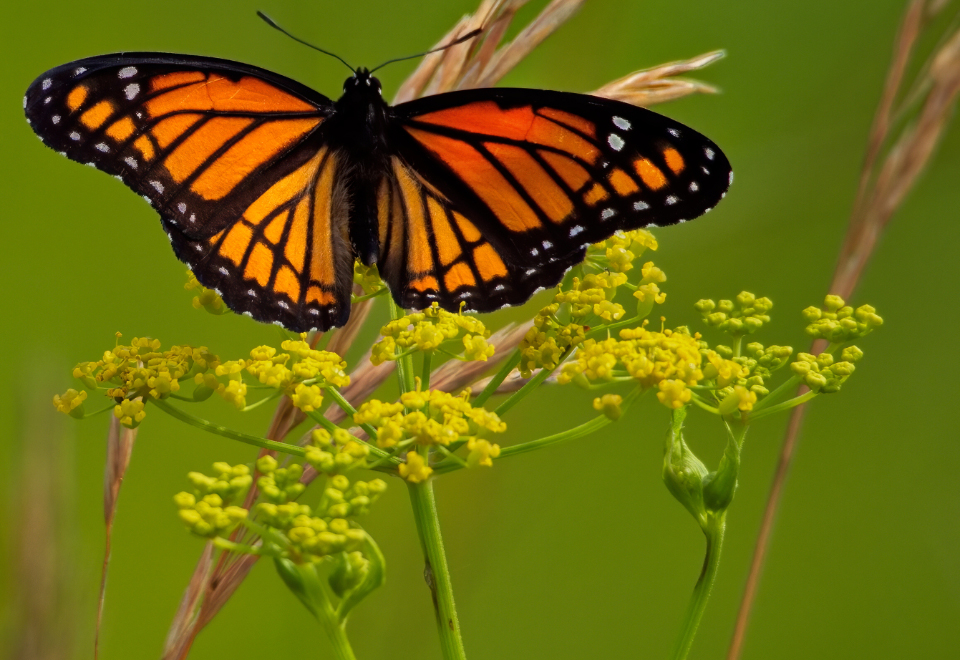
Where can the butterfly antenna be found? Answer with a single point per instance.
(269, 21)
(466, 37)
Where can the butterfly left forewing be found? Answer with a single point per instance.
(192, 135)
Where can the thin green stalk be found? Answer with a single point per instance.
(425, 370)
(227, 433)
(786, 405)
(528, 387)
(320, 597)
(351, 411)
(405, 362)
(436, 571)
(508, 366)
(714, 531)
(586, 428)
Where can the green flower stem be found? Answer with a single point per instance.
(320, 597)
(436, 571)
(787, 385)
(786, 405)
(714, 530)
(228, 433)
(508, 365)
(604, 330)
(237, 548)
(351, 411)
(257, 404)
(425, 370)
(404, 362)
(586, 428)
(379, 292)
(528, 387)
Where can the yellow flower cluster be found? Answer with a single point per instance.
(428, 330)
(134, 374)
(821, 373)
(838, 322)
(669, 360)
(205, 511)
(430, 419)
(335, 453)
(301, 373)
(591, 298)
(739, 317)
(618, 252)
(207, 299)
(367, 277)
(70, 402)
(316, 532)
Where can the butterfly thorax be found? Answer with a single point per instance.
(358, 131)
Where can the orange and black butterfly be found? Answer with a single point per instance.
(269, 191)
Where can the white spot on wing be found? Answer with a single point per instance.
(45, 101)
(193, 218)
(621, 123)
(223, 271)
(708, 152)
(25, 101)
(283, 304)
(315, 312)
(705, 170)
(640, 206)
(251, 292)
(671, 200)
(129, 160)
(530, 271)
(131, 91)
(547, 245)
(182, 207)
(730, 178)
(127, 72)
(46, 84)
(199, 247)
(499, 287)
(674, 132)
(576, 229)
(534, 252)
(248, 314)
(607, 213)
(157, 186)
(102, 146)
(615, 141)
(56, 120)
(694, 187)
(79, 70)
(74, 136)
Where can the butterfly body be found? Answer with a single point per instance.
(269, 191)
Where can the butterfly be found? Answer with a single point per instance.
(269, 191)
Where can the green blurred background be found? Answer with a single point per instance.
(577, 551)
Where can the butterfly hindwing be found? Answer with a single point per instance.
(543, 173)
(433, 253)
(287, 258)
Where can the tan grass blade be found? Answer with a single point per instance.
(119, 449)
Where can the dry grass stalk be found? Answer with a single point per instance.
(886, 179)
(119, 449)
(659, 84)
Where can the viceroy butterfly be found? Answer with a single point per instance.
(269, 190)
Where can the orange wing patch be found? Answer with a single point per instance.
(483, 178)
(651, 175)
(537, 183)
(197, 91)
(95, 116)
